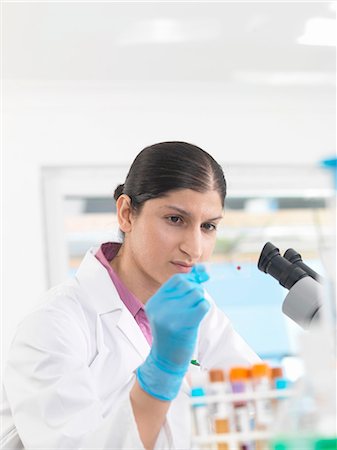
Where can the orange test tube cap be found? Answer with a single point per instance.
(276, 372)
(261, 370)
(238, 374)
(216, 375)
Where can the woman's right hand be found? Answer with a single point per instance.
(174, 312)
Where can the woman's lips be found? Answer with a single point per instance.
(182, 267)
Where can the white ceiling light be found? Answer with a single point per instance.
(170, 31)
(319, 31)
(151, 31)
(166, 31)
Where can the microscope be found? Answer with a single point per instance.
(305, 297)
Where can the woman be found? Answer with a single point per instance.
(103, 362)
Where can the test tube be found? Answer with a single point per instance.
(279, 403)
(201, 422)
(239, 378)
(276, 372)
(276, 375)
(261, 379)
(222, 417)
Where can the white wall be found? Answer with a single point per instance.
(77, 123)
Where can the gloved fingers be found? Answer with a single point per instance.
(173, 283)
(179, 310)
(177, 286)
(186, 295)
(185, 288)
(198, 274)
(192, 297)
(199, 310)
(194, 312)
(190, 317)
(185, 308)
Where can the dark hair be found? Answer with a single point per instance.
(168, 166)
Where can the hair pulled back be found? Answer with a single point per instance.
(169, 166)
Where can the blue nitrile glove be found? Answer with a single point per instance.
(174, 312)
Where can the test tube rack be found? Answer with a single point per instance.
(235, 440)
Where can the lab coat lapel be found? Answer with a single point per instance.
(104, 298)
(129, 327)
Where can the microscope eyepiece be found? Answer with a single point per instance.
(304, 299)
(295, 258)
(272, 263)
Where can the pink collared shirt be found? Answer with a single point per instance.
(104, 255)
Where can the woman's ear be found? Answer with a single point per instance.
(124, 213)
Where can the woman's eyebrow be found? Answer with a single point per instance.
(186, 213)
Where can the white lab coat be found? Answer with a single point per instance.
(72, 364)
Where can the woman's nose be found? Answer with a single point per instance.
(191, 244)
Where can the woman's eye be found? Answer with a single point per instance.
(209, 226)
(174, 219)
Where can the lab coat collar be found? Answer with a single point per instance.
(95, 280)
(129, 327)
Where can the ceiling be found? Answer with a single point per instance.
(246, 42)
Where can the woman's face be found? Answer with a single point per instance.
(171, 234)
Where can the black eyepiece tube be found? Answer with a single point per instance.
(271, 262)
(295, 258)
